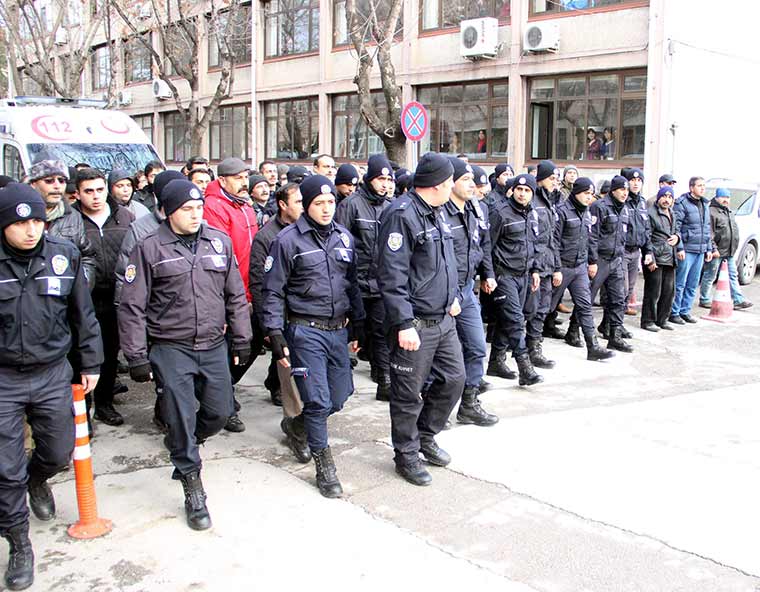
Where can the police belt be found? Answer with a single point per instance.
(325, 324)
(427, 322)
(631, 249)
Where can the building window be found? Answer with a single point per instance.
(292, 129)
(176, 145)
(544, 6)
(146, 124)
(291, 27)
(137, 59)
(12, 164)
(363, 10)
(446, 14)
(352, 137)
(588, 117)
(229, 132)
(100, 67)
(470, 118)
(237, 34)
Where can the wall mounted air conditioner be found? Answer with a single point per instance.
(541, 37)
(124, 97)
(479, 38)
(161, 90)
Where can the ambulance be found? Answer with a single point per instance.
(71, 130)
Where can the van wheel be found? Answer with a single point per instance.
(747, 264)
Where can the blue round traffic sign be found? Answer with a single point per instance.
(415, 121)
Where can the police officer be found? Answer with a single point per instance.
(571, 234)
(417, 276)
(45, 310)
(482, 186)
(468, 220)
(514, 233)
(502, 175)
(182, 291)
(638, 241)
(311, 273)
(361, 213)
(609, 218)
(346, 181)
(544, 203)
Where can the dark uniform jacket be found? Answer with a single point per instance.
(663, 227)
(571, 233)
(417, 267)
(639, 233)
(724, 228)
(609, 219)
(71, 227)
(137, 231)
(544, 204)
(360, 213)
(496, 197)
(514, 231)
(259, 251)
(46, 309)
(107, 243)
(693, 224)
(312, 279)
(146, 197)
(171, 294)
(472, 240)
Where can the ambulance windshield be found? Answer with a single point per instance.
(105, 157)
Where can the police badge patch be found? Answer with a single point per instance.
(345, 240)
(60, 264)
(23, 210)
(268, 262)
(395, 240)
(217, 245)
(130, 273)
(593, 220)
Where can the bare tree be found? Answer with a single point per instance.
(184, 29)
(50, 42)
(372, 27)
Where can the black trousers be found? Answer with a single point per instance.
(192, 378)
(377, 333)
(534, 326)
(577, 282)
(105, 311)
(412, 417)
(513, 301)
(611, 275)
(42, 396)
(659, 288)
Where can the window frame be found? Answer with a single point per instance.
(348, 112)
(230, 125)
(313, 118)
(95, 65)
(503, 20)
(621, 96)
(314, 13)
(178, 123)
(140, 119)
(245, 8)
(129, 57)
(10, 159)
(397, 36)
(621, 5)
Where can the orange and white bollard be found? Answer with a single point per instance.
(89, 525)
(722, 304)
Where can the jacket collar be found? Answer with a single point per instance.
(166, 234)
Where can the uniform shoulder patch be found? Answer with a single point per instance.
(130, 273)
(60, 263)
(217, 245)
(344, 238)
(268, 262)
(395, 241)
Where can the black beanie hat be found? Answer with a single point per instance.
(618, 182)
(315, 185)
(432, 169)
(546, 168)
(297, 173)
(177, 193)
(5, 180)
(632, 173)
(501, 167)
(162, 180)
(582, 184)
(480, 175)
(378, 165)
(19, 202)
(524, 180)
(460, 167)
(347, 175)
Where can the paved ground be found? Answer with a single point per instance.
(638, 474)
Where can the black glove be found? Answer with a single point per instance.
(243, 353)
(140, 373)
(278, 343)
(356, 332)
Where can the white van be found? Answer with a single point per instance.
(71, 130)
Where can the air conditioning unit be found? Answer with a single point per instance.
(161, 90)
(146, 11)
(540, 37)
(479, 38)
(125, 97)
(61, 37)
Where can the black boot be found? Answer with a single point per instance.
(20, 572)
(295, 431)
(528, 375)
(383, 392)
(573, 335)
(625, 333)
(327, 476)
(471, 412)
(497, 366)
(536, 354)
(414, 472)
(604, 328)
(595, 352)
(550, 327)
(41, 498)
(616, 341)
(484, 386)
(433, 453)
(198, 517)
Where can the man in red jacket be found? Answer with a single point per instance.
(228, 208)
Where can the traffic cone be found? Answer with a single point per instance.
(722, 306)
(89, 525)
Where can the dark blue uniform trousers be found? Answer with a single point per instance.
(377, 333)
(192, 379)
(543, 297)
(577, 282)
(43, 396)
(412, 417)
(471, 335)
(513, 300)
(322, 371)
(611, 275)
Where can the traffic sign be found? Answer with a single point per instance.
(415, 121)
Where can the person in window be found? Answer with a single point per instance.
(482, 142)
(608, 144)
(594, 145)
